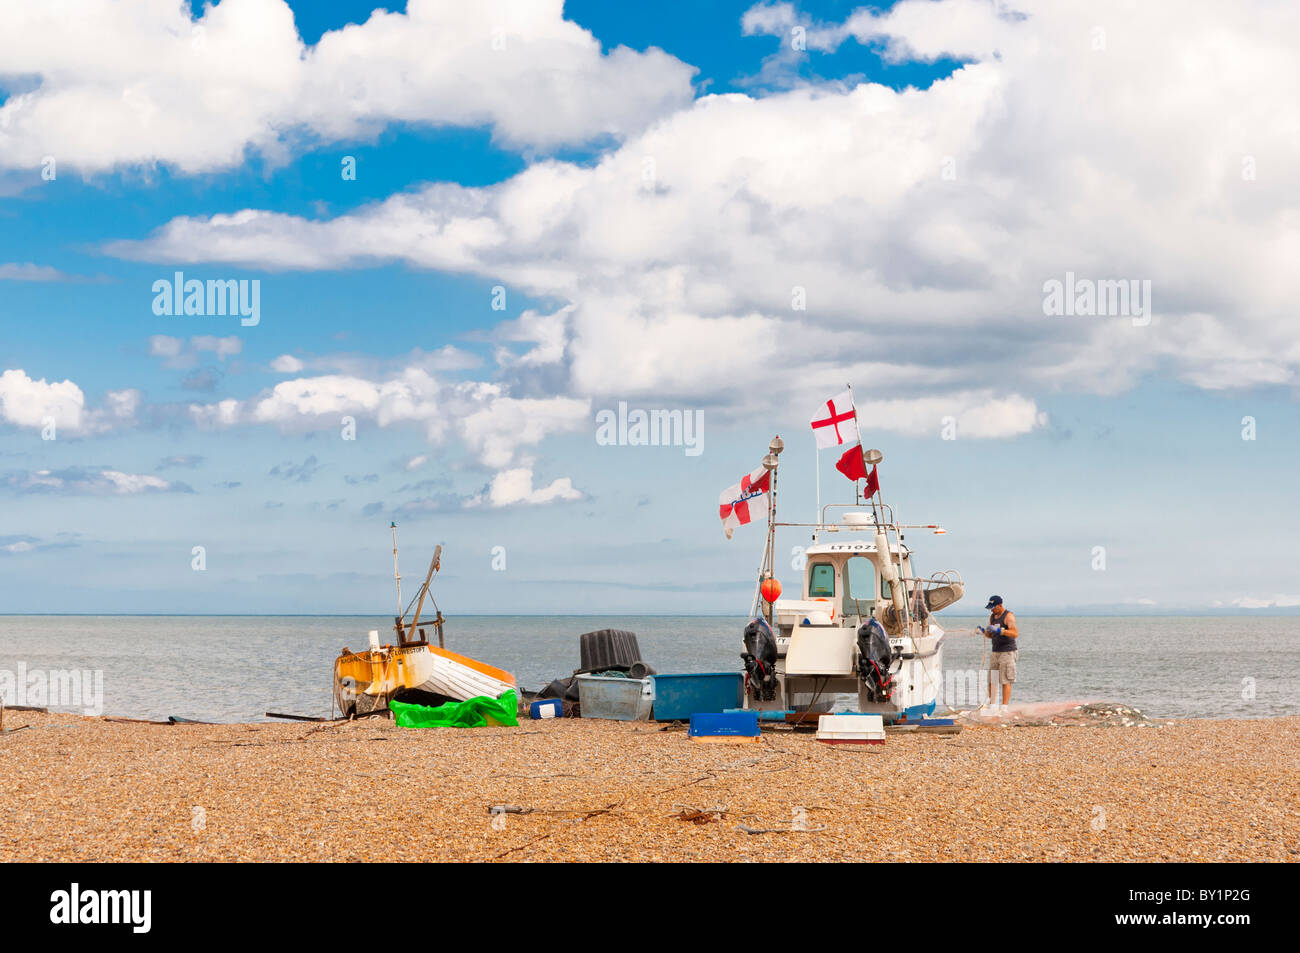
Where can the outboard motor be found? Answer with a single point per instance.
(760, 660)
(875, 657)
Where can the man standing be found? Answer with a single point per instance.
(1004, 635)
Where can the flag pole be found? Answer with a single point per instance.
(862, 449)
(769, 551)
(875, 514)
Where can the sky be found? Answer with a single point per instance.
(466, 231)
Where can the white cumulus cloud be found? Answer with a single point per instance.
(514, 487)
(95, 481)
(179, 354)
(286, 364)
(495, 427)
(837, 225)
(497, 430)
(29, 403)
(111, 84)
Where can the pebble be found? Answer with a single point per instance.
(86, 789)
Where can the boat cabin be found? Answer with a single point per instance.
(846, 576)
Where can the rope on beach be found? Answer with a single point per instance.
(791, 829)
(694, 815)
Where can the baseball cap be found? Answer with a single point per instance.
(994, 601)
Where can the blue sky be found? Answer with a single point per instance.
(770, 168)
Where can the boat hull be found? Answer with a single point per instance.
(461, 677)
(817, 676)
(365, 681)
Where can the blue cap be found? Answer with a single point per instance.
(994, 601)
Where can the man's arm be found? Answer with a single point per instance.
(1009, 624)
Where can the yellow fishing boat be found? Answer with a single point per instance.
(412, 669)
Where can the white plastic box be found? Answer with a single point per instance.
(851, 729)
(620, 699)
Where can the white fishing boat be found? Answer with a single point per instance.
(412, 669)
(864, 621)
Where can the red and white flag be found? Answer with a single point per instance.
(739, 504)
(836, 423)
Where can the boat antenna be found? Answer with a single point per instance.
(397, 578)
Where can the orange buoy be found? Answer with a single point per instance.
(771, 589)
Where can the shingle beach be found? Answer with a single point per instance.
(87, 789)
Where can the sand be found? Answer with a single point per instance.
(86, 789)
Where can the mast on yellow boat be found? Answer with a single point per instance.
(434, 566)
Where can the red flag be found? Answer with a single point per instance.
(851, 463)
(854, 467)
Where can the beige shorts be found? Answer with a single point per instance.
(1004, 663)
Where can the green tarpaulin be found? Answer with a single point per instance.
(474, 713)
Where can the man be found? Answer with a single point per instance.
(1004, 634)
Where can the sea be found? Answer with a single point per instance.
(237, 668)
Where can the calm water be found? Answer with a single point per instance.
(236, 668)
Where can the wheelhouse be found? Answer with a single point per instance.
(847, 576)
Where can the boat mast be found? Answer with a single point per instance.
(770, 463)
(862, 448)
(901, 600)
(434, 565)
(817, 480)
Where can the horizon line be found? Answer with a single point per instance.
(1273, 611)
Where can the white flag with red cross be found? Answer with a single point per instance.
(739, 504)
(835, 422)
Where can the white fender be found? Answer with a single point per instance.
(890, 574)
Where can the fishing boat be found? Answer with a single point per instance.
(412, 669)
(863, 623)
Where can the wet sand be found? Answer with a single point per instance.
(91, 790)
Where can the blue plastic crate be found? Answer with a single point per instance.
(678, 697)
(743, 724)
(546, 708)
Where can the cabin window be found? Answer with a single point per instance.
(821, 581)
(860, 586)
